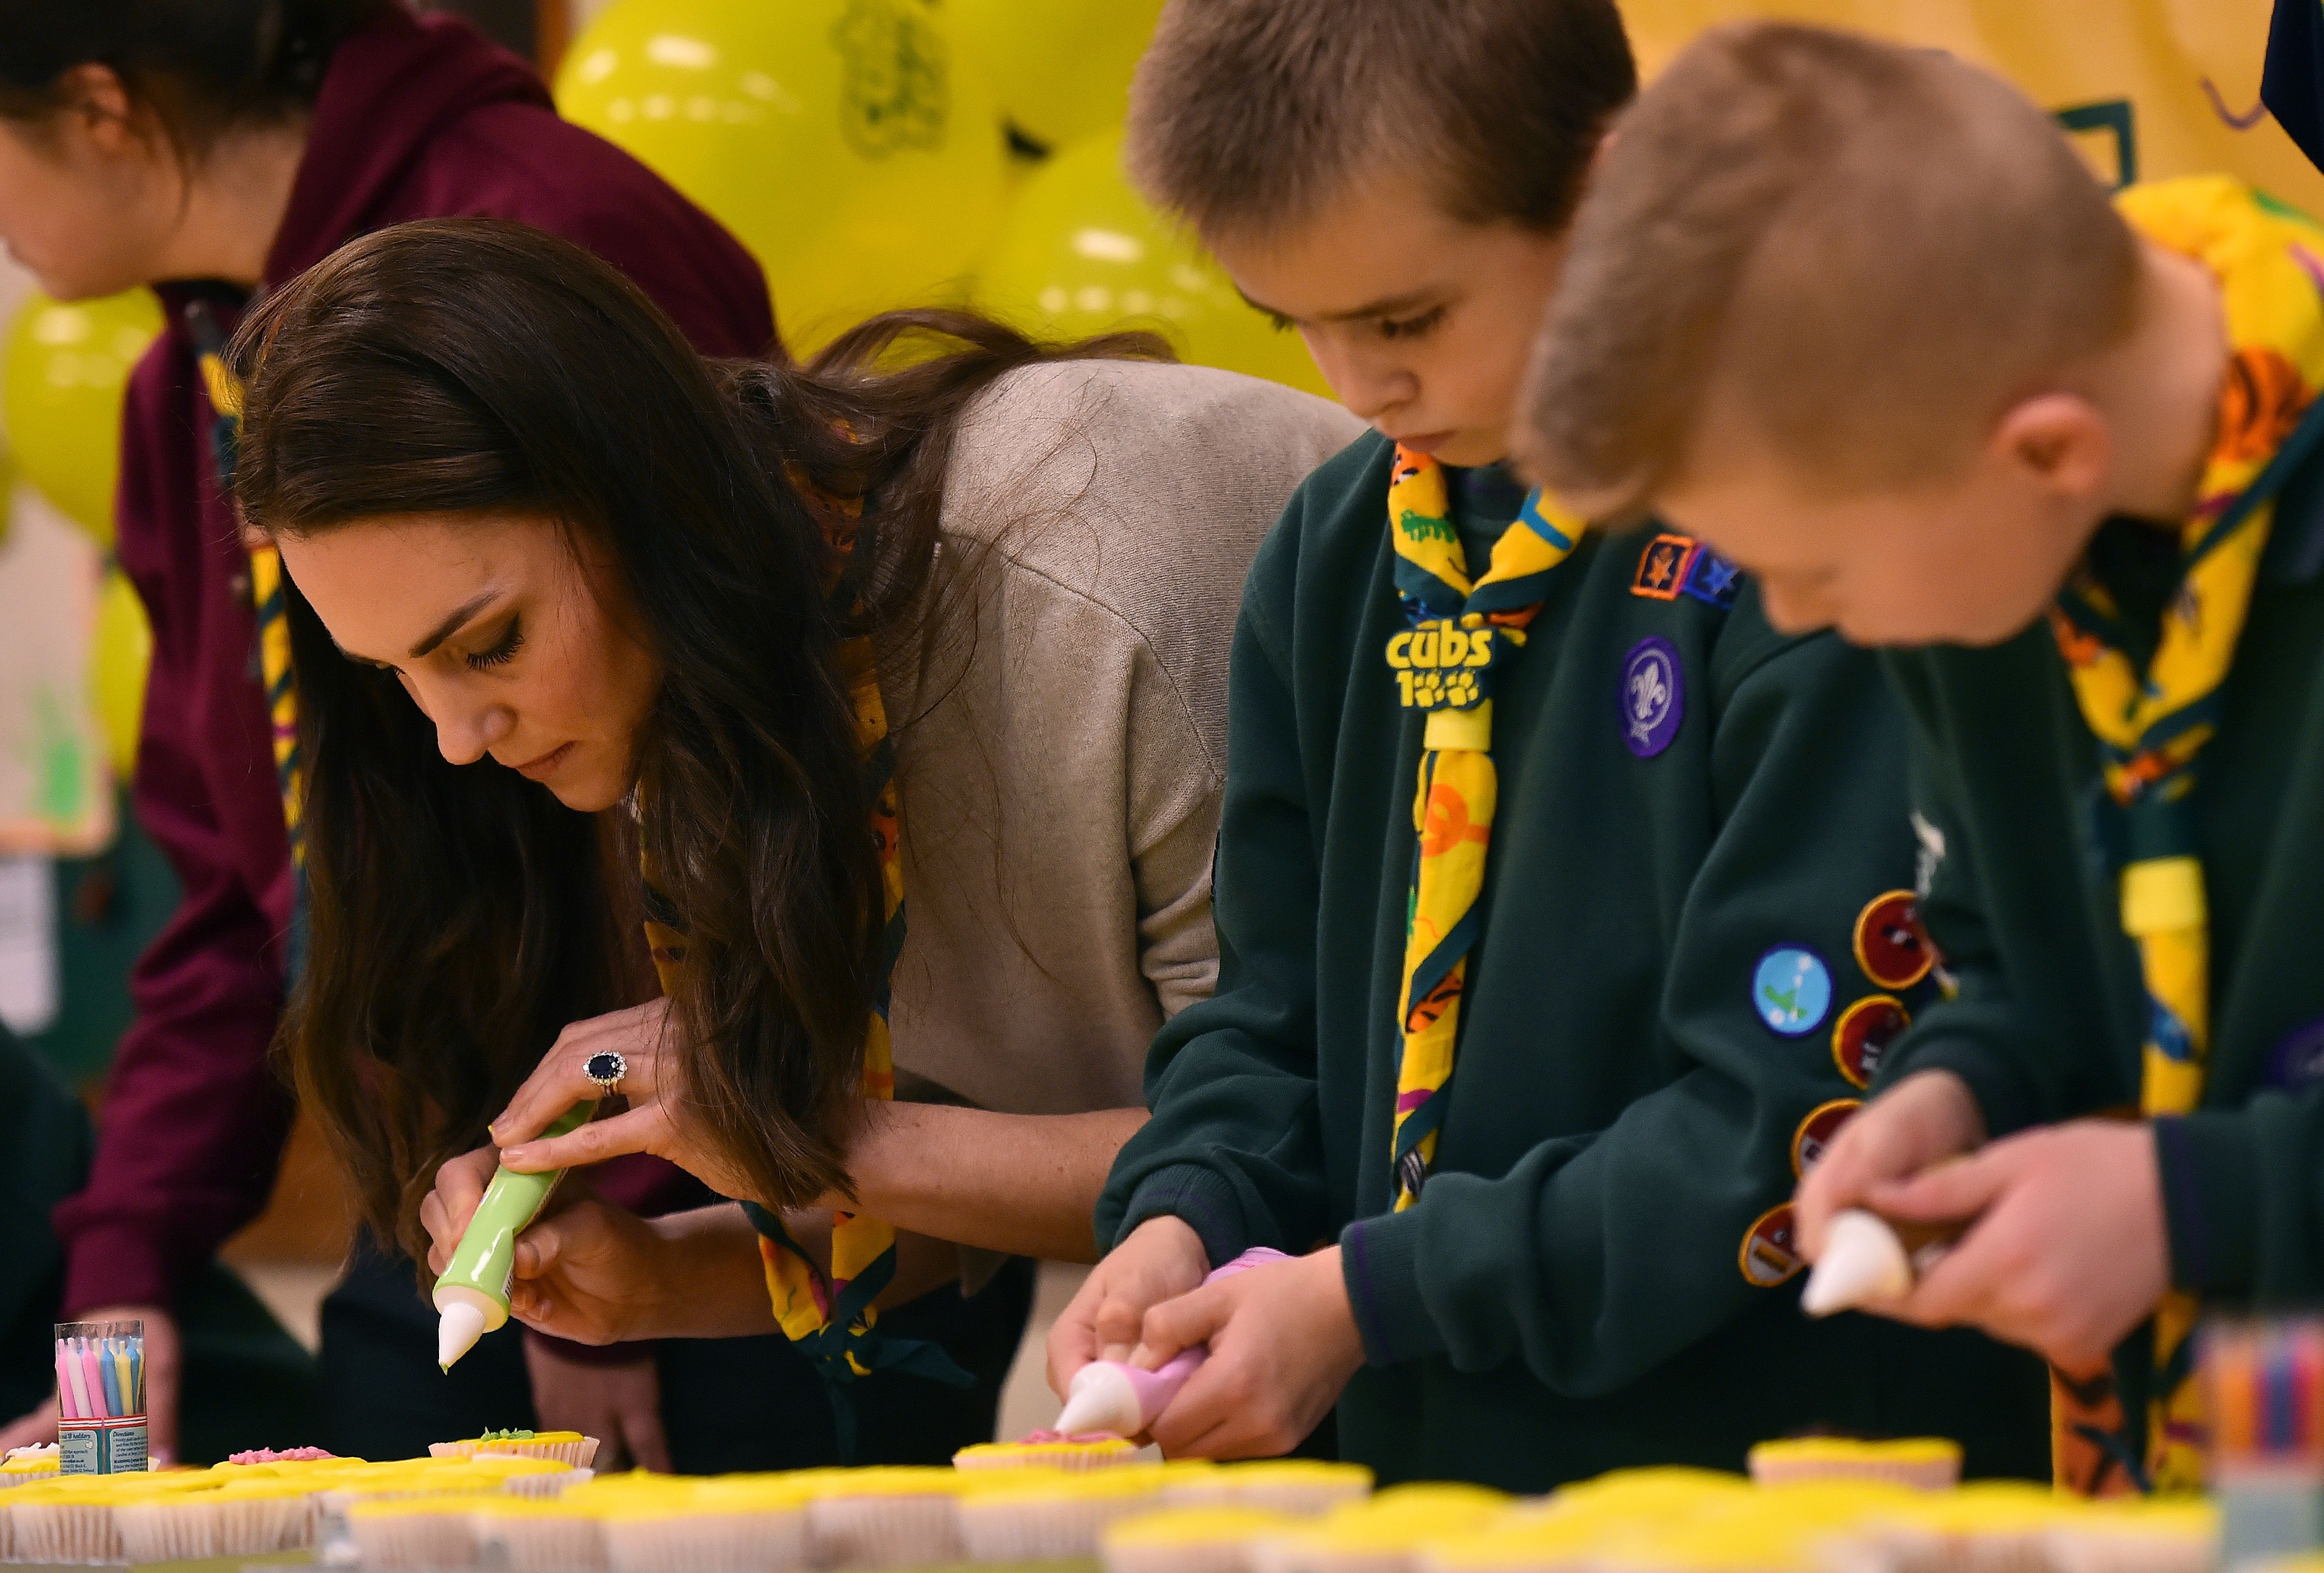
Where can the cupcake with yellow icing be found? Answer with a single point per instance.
(1038, 1515)
(2136, 1535)
(418, 1532)
(740, 1523)
(1925, 1462)
(1190, 1540)
(1048, 1451)
(24, 1465)
(1386, 1534)
(531, 1535)
(1303, 1487)
(568, 1447)
(885, 1517)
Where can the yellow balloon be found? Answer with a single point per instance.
(842, 140)
(1083, 253)
(66, 366)
(120, 651)
(1061, 68)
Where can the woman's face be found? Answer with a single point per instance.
(89, 203)
(513, 644)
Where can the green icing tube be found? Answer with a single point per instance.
(471, 1297)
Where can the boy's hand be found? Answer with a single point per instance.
(1162, 1258)
(1925, 1119)
(2069, 1251)
(1283, 1343)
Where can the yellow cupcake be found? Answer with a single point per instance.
(1190, 1540)
(1927, 1463)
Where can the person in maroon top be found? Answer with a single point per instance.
(211, 149)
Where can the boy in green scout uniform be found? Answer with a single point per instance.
(1563, 901)
(1914, 370)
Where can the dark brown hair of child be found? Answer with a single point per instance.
(460, 917)
(1869, 251)
(199, 68)
(1247, 116)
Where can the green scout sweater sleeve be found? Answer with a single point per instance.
(1595, 1258)
(2030, 1039)
(1234, 1148)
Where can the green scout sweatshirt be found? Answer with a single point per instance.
(1693, 813)
(2022, 849)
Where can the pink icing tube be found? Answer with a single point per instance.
(1113, 1398)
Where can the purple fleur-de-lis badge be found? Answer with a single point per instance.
(1653, 696)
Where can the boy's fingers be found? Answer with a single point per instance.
(1957, 1188)
(1073, 1343)
(1181, 1323)
(1964, 1284)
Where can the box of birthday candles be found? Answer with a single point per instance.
(100, 1397)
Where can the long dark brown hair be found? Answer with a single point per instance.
(459, 916)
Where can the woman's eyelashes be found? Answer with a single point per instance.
(503, 651)
(1411, 326)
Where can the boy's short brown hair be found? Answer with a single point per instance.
(1874, 249)
(1246, 115)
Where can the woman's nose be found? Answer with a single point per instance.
(466, 733)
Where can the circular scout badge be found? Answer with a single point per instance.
(1863, 1034)
(1654, 696)
(1889, 944)
(2298, 1061)
(1791, 988)
(1769, 1255)
(1816, 1131)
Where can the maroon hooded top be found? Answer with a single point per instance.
(416, 119)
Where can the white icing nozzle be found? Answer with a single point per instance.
(1100, 1398)
(462, 1325)
(1862, 1260)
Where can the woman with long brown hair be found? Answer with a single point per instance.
(900, 675)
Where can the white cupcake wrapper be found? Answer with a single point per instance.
(544, 1545)
(65, 1532)
(416, 1541)
(1041, 1528)
(882, 1531)
(772, 1541)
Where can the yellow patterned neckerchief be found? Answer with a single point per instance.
(834, 1321)
(1444, 665)
(268, 604)
(2152, 724)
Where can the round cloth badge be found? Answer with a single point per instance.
(1816, 1131)
(1889, 944)
(1791, 988)
(1863, 1034)
(1769, 1255)
(1654, 696)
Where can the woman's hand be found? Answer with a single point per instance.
(620, 1405)
(651, 1084)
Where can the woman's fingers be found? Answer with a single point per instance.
(561, 1080)
(446, 1211)
(638, 1130)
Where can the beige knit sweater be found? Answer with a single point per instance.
(1061, 756)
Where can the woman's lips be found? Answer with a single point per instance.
(543, 768)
